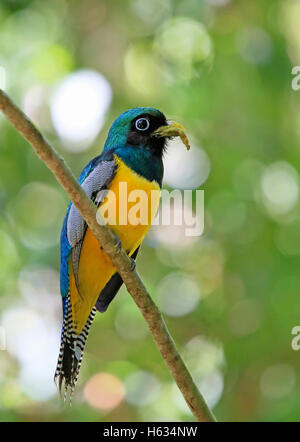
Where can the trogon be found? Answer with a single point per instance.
(132, 156)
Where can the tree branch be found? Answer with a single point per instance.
(118, 257)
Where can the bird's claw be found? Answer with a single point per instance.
(133, 265)
(118, 243)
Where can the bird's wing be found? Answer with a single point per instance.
(94, 179)
(95, 184)
(111, 289)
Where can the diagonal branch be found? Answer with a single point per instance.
(119, 258)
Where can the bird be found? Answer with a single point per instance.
(132, 154)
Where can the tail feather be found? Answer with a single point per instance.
(71, 351)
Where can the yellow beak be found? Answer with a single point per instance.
(173, 130)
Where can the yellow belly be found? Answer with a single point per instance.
(129, 218)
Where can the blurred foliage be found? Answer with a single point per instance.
(223, 69)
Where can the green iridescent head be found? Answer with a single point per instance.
(135, 127)
(139, 137)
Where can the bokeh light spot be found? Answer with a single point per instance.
(142, 70)
(36, 212)
(211, 386)
(185, 46)
(194, 166)
(104, 391)
(32, 339)
(78, 107)
(178, 294)
(52, 63)
(142, 388)
(280, 188)
(184, 40)
(277, 381)
(290, 13)
(203, 355)
(153, 12)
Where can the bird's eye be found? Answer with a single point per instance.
(142, 124)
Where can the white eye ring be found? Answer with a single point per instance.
(140, 122)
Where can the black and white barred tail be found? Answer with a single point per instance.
(71, 351)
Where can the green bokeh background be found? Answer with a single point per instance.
(223, 69)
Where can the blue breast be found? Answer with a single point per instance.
(142, 161)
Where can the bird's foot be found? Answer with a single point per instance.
(133, 265)
(118, 243)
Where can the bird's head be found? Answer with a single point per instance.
(146, 127)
